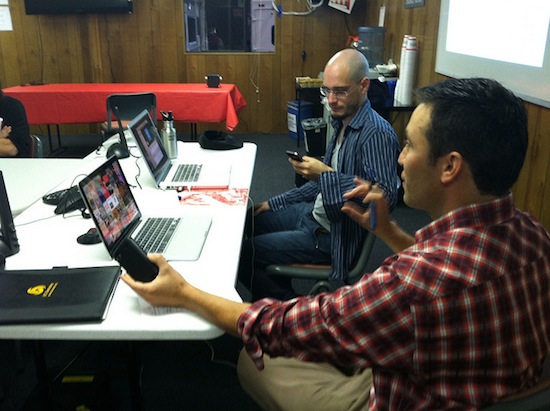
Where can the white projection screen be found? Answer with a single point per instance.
(507, 40)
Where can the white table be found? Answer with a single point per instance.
(48, 240)
(28, 179)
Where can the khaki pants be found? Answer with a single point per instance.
(289, 384)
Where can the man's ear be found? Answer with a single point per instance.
(452, 166)
(365, 84)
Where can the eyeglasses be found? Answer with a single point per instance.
(338, 93)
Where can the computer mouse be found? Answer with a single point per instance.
(89, 237)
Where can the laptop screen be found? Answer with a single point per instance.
(146, 134)
(110, 202)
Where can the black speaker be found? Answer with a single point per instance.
(213, 80)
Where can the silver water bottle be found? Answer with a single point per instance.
(168, 135)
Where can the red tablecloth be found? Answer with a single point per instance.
(86, 102)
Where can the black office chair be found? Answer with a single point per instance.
(534, 399)
(320, 273)
(129, 106)
(35, 147)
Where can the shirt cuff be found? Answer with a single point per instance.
(247, 326)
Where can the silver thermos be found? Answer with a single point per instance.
(168, 135)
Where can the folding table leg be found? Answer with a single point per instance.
(43, 383)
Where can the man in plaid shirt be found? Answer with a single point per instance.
(458, 318)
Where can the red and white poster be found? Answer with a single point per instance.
(342, 5)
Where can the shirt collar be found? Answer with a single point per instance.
(475, 215)
(358, 119)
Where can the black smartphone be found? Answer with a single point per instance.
(294, 155)
(135, 261)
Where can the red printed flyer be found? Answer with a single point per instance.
(231, 196)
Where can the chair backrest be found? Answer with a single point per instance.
(320, 273)
(360, 265)
(35, 147)
(129, 106)
(534, 399)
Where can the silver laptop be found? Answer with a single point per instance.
(116, 215)
(174, 175)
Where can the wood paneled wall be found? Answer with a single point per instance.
(148, 46)
(532, 190)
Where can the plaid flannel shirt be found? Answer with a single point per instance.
(458, 320)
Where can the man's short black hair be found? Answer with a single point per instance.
(483, 121)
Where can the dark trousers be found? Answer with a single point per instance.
(288, 236)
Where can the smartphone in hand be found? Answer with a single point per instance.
(294, 155)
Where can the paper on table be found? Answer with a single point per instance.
(146, 308)
(231, 196)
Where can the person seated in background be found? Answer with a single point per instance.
(14, 128)
(215, 42)
(457, 318)
(305, 224)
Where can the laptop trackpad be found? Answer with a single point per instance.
(189, 239)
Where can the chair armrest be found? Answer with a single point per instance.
(305, 271)
(534, 398)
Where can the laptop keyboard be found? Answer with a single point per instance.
(156, 234)
(187, 172)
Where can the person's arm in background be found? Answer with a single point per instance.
(7, 148)
(374, 159)
(310, 168)
(306, 192)
(16, 142)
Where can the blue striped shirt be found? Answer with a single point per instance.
(370, 149)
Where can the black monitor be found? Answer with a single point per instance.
(78, 6)
(8, 239)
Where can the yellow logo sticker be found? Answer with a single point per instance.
(43, 290)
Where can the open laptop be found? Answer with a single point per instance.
(116, 216)
(174, 175)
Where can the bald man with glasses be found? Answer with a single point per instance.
(305, 224)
